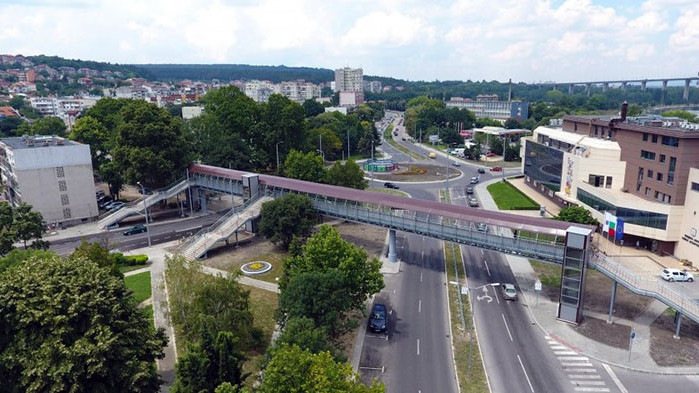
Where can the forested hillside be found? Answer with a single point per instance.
(226, 72)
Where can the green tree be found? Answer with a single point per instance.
(192, 371)
(286, 217)
(512, 123)
(319, 295)
(113, 176)
(293, 370)
(49, 126)
(331, 143)
(97, 254)
(348, 175)
(18, 257)
(90, 131)
(326, 251)
(27, 223)
(634, 110)
(496, 146)
(577, 214)
(681, 114)
(313, 108)
(219, 146)
(150, 146)
(302, 331)
(68, 325)
(9, 125)
(301, 166)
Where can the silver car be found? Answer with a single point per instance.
(676, 275)
(509, 292)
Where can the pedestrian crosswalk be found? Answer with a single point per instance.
(580, 371)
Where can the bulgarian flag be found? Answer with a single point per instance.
(610, 224)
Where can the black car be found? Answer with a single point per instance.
(140, 228)
(378, 319)
(390, 185)
(481, 170)
(101, 202)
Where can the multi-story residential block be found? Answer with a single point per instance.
(373, 86)
(638, 169)
(489, 106)
(190, 112)
(349, 79)
(47, 106)
(52, 174)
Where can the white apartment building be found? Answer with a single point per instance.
(52, 174)
(47, 106)
(190, 112)
(489, 106)
(298, 90)
(349, 79)
(373, 86)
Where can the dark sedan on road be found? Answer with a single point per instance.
(140, 228)
(390, 185)
(378, 319)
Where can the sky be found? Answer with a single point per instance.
(525, 40)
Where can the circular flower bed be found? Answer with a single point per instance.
(256, 267)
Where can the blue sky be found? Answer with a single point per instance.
(526, 40)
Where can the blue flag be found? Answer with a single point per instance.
(619, 229)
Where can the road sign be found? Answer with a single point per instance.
(464, 290)
(633, 334)
(537, 285)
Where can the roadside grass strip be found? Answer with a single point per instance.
(139, 284)
(508, 197)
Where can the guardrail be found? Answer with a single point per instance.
(656, 289)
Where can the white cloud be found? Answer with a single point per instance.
(392, 29)
(640, 51)
(515, 51)
(686, 35)
(649, 22)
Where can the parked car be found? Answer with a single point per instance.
(509, 292)
(676, 275)
(145, 191)
(491, 155)
(473, 202)
(469, 190)
(114, 206)
(456, 163)
(482, 227)
(432, 155)
(378, 320)
(481, 170)
(101, 202)
(496, 169)
(475, 180)
(140, 228)
(99, 194)
(108, 205)
(391, 186)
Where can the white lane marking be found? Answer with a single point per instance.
(558, 347)
(486, 267)
(596, 383)
(584, 376)
(482, 253)
(581, 370)
(419, 305)
(572, 358)
(496, 296)
(587, 389)
(615, 379)
(565, 353)
(525, 373)
(418, 346)
(506, 327)
(420, 276)
(576, 364)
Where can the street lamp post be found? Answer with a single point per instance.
(348, 145)
(277, 148)
(145, 211)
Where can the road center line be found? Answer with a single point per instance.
(615, 379)
(508, 329)
(525, 373)
(418, 346)
(482, 253)
(419, 305)
(486, 267)
(420, 276)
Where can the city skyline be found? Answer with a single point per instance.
(530, 41)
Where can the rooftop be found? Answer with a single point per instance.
(34, 141)
(669, 126)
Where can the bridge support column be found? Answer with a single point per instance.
(678, 324)
(392, 245)
(605, 86)
(575, 258)
(664, 93)
(643, 85)
(202, 200)
(588, 89)
(610, 319)
(623, 86)
(685, 94)
(571, 88)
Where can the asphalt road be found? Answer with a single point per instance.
(115, 239)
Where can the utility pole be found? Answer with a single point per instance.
(145, 211)
(277, 147)
(348, 145)
(320, 144)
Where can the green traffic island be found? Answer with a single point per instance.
(416, 172)
(508, 197)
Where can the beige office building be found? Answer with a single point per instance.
(52, 174)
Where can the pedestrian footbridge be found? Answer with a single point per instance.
(531, 237)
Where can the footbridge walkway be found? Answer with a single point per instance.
(532, 237)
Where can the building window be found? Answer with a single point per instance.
(695, 186)
(639, 180)
(595, 180)
(657, 195)
(655, 138)
(659, 176)
(662, 158)
(609, 182)
(647, 155)
(645, 137)
(66, 213)
(60, 172)
(671, 141)
(650, 173)
(64, 200)
(62, 186)
(647, 191)
(630, 216)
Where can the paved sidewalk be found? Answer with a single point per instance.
(543, 312)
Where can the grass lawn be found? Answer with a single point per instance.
(148, 310)
(507, 197)
(140, 285)
(388, 191)
(263, 304)
(469, 368)
(549, 274)
(124, 269)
